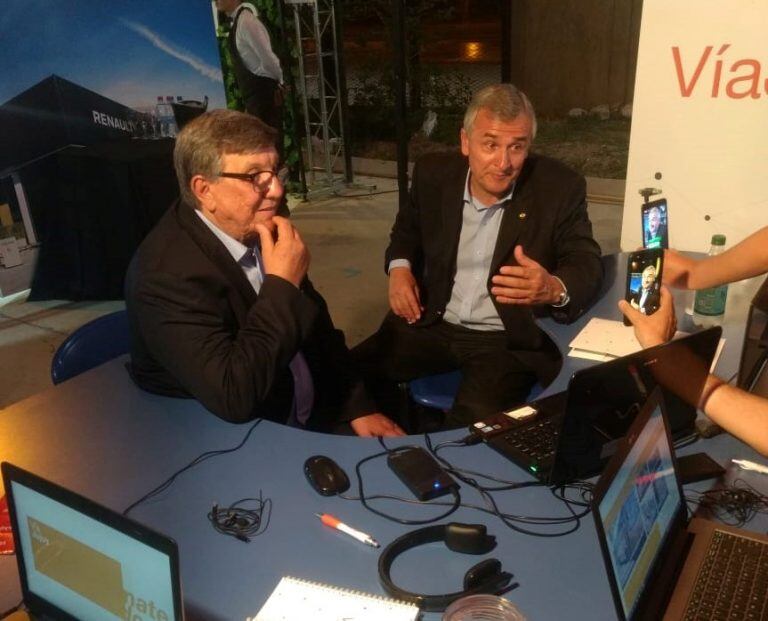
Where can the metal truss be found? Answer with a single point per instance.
(319, 88)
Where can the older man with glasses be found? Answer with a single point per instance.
(218, 300)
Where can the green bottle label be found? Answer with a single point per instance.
(710, 301)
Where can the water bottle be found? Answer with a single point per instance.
(709, 304)
(171, 118)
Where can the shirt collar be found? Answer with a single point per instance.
(237, 249)
(468, 198)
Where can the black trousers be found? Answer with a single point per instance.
(264, 104)
(494, 376)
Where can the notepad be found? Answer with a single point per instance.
(295, 599)
(604, 340)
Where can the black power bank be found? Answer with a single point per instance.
(421, 473)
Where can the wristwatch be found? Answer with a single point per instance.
(563, 298)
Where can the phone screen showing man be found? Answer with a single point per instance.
(644, 280)
(654, 220)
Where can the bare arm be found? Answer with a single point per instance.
(740, 413)
(746, 259)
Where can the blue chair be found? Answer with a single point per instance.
(436, 391)
(439, 391)
(92, 344)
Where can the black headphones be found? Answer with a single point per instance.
(485, 577)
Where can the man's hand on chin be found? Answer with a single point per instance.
(374, 425)
(526, 283)
(282, 250)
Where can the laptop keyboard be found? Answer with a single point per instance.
(732, 581)
(537, 441)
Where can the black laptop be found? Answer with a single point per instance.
(659, 565)
(80, 560)
(571, 435)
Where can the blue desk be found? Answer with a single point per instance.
(101, 436)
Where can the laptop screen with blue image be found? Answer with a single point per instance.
(638, 511)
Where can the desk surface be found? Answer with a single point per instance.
(99, 435)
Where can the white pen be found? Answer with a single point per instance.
(745, 464)
(333, 522)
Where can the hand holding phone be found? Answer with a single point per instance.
(654, 220)
(644, 272)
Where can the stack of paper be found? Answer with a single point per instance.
(604, 339)
(302, 600)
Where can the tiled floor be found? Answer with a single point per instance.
(346, 237)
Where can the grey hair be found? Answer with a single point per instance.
(503, 101)
(202, 143)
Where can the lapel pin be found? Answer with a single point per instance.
(522, 215)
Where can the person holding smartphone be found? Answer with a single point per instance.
(738, 412)
(746, 259)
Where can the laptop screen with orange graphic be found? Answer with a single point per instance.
(78, 559)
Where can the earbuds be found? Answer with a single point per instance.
(238, 521)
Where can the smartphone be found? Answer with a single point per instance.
(644, 270)
(654, 219)
(698, 467)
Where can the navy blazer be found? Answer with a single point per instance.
(198, 329)
(547, 216)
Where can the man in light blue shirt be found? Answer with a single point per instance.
(487, 239)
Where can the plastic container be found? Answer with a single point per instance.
(482, 608)
(709, 304)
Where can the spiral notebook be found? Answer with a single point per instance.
(295, 599)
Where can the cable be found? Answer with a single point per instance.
(532, 520)
(197, 460)
(735, 504)
(240, 522)
(462, 474)
(364, 501)
(577, 508)
(558, 492)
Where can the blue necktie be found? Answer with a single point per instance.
(303, 387)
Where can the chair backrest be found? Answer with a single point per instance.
(436, 391)
(439, 391)
(90, 345)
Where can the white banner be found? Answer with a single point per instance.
(700, 120)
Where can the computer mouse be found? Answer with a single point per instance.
(325, 475)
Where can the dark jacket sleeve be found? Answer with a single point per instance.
(405, 238)
(578, 262)
(186, 324)
(335, 376)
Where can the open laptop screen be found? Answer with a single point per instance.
(638, 509)
(87, 561)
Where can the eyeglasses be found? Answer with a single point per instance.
(261, 179)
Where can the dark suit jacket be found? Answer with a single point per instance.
(652, 302)
(547, 216)
(198, 329)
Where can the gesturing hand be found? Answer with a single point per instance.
(404, 294)
(285, 255)
(527, 283)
